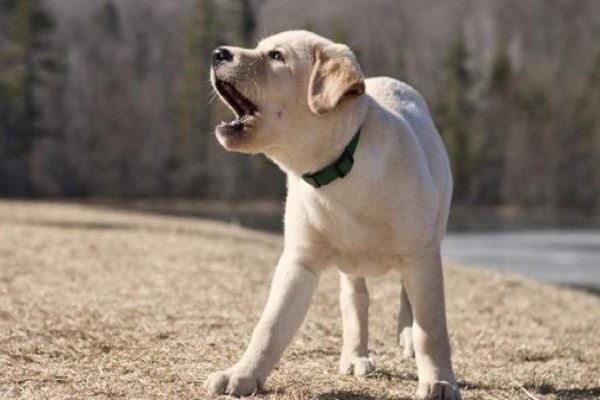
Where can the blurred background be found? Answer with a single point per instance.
(110, 99)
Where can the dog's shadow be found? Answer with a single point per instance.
(589, 393)
(578, 394)
(561, 394)
(348, 395)
(377, 375)
(344, 395)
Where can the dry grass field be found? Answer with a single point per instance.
(106, 304)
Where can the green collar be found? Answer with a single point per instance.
(338, 169)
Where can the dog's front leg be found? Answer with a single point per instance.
(291, 291)
(424, 282)
(354, 302)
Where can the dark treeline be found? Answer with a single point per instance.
(112, 97)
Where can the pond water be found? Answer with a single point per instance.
(565, 251)
(561, 250)
(557, 250)
(570, 257)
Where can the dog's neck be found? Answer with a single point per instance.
(324, 141)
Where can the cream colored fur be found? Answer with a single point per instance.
(389, 212)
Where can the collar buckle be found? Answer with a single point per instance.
(338, 169)
(344, 164)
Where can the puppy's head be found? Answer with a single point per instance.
(287, 82)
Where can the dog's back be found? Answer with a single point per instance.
(404, 101)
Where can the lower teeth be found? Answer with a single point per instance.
(237, 123)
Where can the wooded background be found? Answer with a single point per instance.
(111, 98)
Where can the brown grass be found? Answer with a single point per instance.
(97, 303)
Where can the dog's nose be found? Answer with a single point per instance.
(221, 55)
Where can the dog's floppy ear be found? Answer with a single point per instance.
(335, 74)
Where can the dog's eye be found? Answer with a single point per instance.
(276, 55)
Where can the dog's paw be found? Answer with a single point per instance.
(234, 383)
(406, 343)
(357, 366)
(440, 390)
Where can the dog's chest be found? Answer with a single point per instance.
(361, 251)
(358, 244)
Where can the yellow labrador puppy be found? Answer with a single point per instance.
(369, 189)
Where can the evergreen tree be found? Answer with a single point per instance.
(582, 177)
(191, 116)
(489, 153)
(455, 114)
(253, 176)
(109, 19)
(25, 57)
(192, 110)
(247, 22)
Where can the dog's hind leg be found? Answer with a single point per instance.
(405, 321)
(424, 282)
(354, 302)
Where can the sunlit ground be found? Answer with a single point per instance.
(116, 304)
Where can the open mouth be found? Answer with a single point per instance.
(244, 109)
